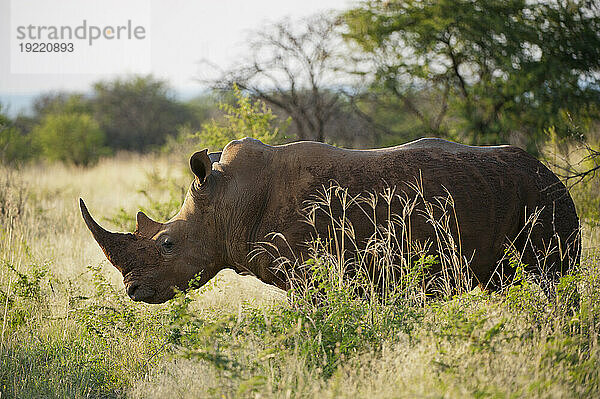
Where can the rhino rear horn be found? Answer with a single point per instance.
(146, 226)
(201, 164)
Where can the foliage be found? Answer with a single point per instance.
(139, 113)
(298, 68)
(135, 114)
(166, 207)
(493, 69)
(15, 146)
(61, 102)
(244, 118)
(576, 160)
(331, 319)
(70, 137)
(162, 199)
(78, 352)
(69, 330)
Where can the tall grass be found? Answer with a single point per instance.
(68, 329)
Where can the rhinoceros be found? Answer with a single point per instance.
(252, 189)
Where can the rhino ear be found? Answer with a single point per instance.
(201, 164)
(145, 225)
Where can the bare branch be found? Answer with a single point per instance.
(297, 68)
(571, 173)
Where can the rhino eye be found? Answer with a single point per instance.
(166, 244)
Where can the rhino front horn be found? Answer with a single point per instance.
(114, 245)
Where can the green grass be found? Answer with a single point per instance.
(69, 330)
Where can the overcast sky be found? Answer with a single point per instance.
(182, 32)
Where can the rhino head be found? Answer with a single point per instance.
(159, 257)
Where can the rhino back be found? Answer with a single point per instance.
(492, 189)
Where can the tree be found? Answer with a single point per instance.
(138, 113)
(298, 69)
(69, 137)
(60, 102)
(492, 69)
(243, 119)
(15, 146)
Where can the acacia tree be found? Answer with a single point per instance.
(297, 68)
(493, 68)
(137, 113)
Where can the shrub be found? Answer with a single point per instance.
(139, 113)
(244, 118)
(70, 137)
(15, 146)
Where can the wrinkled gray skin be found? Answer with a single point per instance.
(252, 189)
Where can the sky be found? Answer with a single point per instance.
(180, 34)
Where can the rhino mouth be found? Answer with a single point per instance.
(140, 293)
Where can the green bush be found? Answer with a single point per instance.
(77, 353)
(138, 113)
(243, 118)
(70, 137)
(15, 146)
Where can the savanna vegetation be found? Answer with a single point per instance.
(477, 72)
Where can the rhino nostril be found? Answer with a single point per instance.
(140, 292)
(131, 289)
